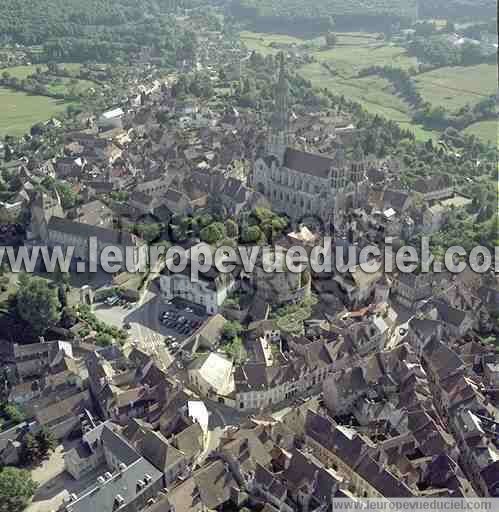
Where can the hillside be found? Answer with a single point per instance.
(100, 30)
(313, 16)
(309, 16)
(458, 9)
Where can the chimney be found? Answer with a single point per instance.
(118, 502)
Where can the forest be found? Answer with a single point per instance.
(307, 17)
(99, 30)
(457, 9)
(315, 16)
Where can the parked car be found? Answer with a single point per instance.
(111, 301)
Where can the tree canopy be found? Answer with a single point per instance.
(37, 303)
(93, 30)
(16, 489)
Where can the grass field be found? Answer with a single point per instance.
(25, 71)
(353, 54)
(454, 87)
(20, 111)
(63, 85)
(451, 87)
(22, 72)
(354, 51)
(485, 130)
(261, 42)
(374, 93)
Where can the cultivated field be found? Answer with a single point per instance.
(485, 130)
(25, 71)
(261, 42)
(353, 54)
(20, 111)
(22, 72)
(354, 51)
(376, 95)
(62, 85)
(453, 88)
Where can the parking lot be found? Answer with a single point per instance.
(178, 322)
(154, 325)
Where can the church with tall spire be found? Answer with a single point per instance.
(278, 137)
(298, 183)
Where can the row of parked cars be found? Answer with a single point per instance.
(174, 320)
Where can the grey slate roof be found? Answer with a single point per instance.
(188, 441)
(448, 314)
(102, 497)
(158, 451)
(308, 163)
(396, 199)
(103, 235)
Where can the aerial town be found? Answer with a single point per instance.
(144, 390)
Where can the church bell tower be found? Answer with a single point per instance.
(278, 139)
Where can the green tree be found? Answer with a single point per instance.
(251, 235)
(30, 452)
(203, 220)
(69, 317)
(104, 339)
(149, 232)
(231, 228)
(37, 303)
(69, 197)
(14, 413)
(46, 442)
(232, 330)
(16, 489)
(213, 233)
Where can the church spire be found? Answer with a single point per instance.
(279, 128)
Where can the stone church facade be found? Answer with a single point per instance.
(301, 184)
